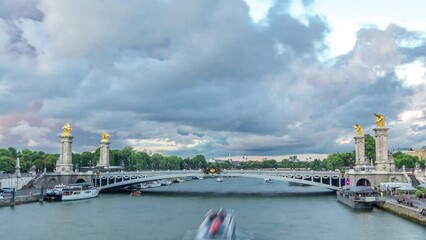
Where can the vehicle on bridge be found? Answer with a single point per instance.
(7, 190)
(359, 197)
(218, 224)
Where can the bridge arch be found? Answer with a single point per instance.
(80, 180)
(363, 182)
(328, 180)
(52, 180)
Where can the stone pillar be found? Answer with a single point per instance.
(64, 163)
(104, 154)
(382, 157)
(360, 151)
(18, 168)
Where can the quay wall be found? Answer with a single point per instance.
(403, 211)
(15, 182)
(21, 200)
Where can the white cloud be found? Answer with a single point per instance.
(411, 115)
(412, 74)
(258, 9)
(161, 145)
(32, 143)
(343, 140)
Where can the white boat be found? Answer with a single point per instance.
(154, 184)
(143, 186)
(165, 182)
(219, 179)
(267, 180)
(77, 192)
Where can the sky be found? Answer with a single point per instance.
(211, 77)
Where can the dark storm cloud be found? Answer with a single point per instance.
(197, 74)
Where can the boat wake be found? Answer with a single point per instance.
(240, 234)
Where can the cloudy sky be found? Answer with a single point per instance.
(218, 77)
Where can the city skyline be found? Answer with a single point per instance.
(246, 78)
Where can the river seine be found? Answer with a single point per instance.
(263, 211)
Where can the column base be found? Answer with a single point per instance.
(64, 168)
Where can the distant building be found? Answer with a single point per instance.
(303, 157)
(420, 153)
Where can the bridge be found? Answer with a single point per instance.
(116, 180)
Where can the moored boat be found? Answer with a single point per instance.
(359, 197)
(78, 192)
(54, 193)
(178, 180)
(154, 184)
(218, 224)
(165, 182)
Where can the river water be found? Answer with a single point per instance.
(262, 211)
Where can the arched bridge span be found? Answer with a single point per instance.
(325, 179)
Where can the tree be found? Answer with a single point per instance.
(7, 164)
(402, 159)
(269, 164)
(370, 147)
(13, 152)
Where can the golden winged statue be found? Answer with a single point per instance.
(358, 129)
(66, 129)
(380, 120)
(105, 136)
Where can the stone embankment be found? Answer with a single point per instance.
(21, 200)
(407, 212)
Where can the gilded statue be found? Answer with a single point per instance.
(105, 136)
(66, 129)
(358, 129)
(380, 120)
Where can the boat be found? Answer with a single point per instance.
(219, 179)
(135, 193)
(165, 182)
(178, 180)
(54, 193)
(267, 180)
(78, 192)
(218, 224)
(154, 184)
(359, 197)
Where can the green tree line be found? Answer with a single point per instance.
(132, 160)
(127, 158)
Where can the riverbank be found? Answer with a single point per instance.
(20, 200)
(22, 196)
(410, 213)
